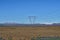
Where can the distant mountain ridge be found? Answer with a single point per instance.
(17, 24)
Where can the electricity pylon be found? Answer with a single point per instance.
(32, 19)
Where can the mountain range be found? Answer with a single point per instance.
(17, 24)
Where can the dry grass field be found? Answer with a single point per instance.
(26, 33)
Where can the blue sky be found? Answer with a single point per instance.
(46, 11)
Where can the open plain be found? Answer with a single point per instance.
(26, 33)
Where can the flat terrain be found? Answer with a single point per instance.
(26, 33)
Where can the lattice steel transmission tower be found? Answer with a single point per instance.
(32, 19)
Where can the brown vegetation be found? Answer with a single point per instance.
(26, 33)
